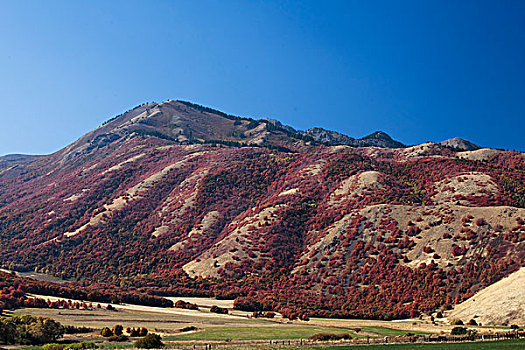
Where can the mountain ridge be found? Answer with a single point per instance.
(177, 199)
(314, 134)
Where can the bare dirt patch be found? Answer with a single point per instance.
(469, 185)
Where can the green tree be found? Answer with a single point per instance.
(45, 330)
(27, 330)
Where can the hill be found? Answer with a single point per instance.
(180, 199)
(501, 303)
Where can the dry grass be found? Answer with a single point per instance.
(502, 303)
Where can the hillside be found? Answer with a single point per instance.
(179, 199)
(501, 303)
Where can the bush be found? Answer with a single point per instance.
(181, 304)
(75, 346)
(117, 329)
(458, 331)
(218, 309)
(118, 338)
(143, 332)
(77, 330)
(188, 329)
(329, 336)
(82, 345)
(472, 322)
(151, 341)
(267, 314)
(53, 346)
(106, 332)
(456, 322)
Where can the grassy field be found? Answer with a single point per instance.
(388, 332)
(216, 328)
(257, 333)
(493, 345)
(160, 322)
(277, 332)
(499, 345)
(212, 329)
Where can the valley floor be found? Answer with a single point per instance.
(239, 330)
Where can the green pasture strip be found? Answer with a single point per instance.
(492, 345)
(115, 345)
(388, 332)
(488, 345)
(258, 333)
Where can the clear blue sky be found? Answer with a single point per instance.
(419, 70)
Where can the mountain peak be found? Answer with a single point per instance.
(378, 135)
(382, 139)
(333, 138)
(460, 144)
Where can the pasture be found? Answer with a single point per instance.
(238, 330)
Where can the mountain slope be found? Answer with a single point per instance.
(502, 303)
(180, 199)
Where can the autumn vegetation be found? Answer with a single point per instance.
(274, 263)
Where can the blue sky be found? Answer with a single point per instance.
(419, 70)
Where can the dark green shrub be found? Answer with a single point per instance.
(329, 336)
(77, 330)
(188, 329)
(458, 331)
(151, 341)
(118, 338)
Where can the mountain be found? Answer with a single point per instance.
(379, 139)
(332, 138)
(180, 199)
(460, 144)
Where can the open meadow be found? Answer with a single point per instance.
(184, 329)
